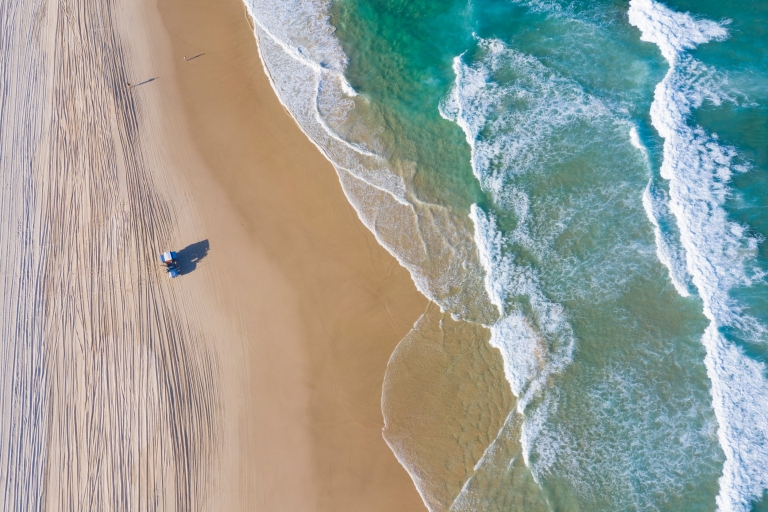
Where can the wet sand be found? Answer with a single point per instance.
(253, 381)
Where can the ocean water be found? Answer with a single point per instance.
(580, 189)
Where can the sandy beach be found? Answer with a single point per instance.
(251, 382)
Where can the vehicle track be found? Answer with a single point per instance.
(108, 395)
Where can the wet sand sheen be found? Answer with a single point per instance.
(253, 382)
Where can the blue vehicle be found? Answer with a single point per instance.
(169, 259)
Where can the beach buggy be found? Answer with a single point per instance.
(168, 259)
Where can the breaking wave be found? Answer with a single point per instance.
(534, 339)
(719, 253)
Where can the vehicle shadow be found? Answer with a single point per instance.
(191, 255)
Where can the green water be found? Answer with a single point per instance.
(588, 208)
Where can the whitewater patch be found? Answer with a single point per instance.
(719, 253)
(668, 251)
(305, 64)
(509, 127)
(522, 119)
(655, 204)
(646, 438)
(502, 126)
(533, 335)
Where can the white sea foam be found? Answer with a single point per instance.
(534, 341)
(302, 28)
(665, 436)
(497, 266)
(671, 31)
(508, 127)
(719, 253)
(655, 203)
(305, 64)
(521, 118)
(667, 249)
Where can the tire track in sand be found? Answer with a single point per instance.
(107, 394)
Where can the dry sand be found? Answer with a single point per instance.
(252, 382)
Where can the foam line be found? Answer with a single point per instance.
(319, 71)
(655, 207)
(512, 138)
(534, 343)
(666, 251)
(532, 334)
(305, 65)
(719, 253)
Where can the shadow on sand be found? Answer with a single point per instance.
(191, 255)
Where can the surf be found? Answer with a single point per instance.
(719, 253)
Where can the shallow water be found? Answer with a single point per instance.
(578, 186)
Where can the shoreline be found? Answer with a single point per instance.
(351, 299)
(250, 382)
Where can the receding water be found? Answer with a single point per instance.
(580, 189)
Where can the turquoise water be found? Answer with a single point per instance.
(587, 181)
